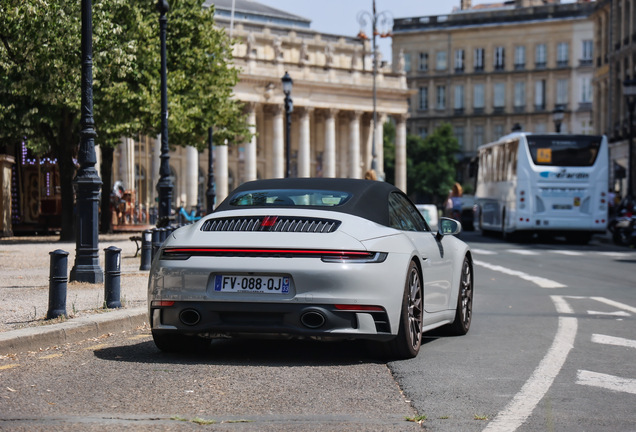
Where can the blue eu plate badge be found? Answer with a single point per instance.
(218, 282)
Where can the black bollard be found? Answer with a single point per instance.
(162, 234)
(156, 241)
(146, 250)
(112, 277)
(58, 279)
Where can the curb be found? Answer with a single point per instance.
(32, 339)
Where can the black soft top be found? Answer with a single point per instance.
(369, 200)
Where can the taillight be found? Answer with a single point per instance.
(358, 308)
(161, 303)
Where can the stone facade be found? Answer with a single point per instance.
(485, 68)
(332, 121)
(615, 48)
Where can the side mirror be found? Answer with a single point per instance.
(448, 226)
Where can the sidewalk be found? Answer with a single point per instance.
(24, 293)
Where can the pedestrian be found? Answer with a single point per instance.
(453, 205)
(370, 175)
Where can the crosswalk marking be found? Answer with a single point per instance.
(523, 251)
(612, 340)
(616, 254)
(605, 381)
(483, 252)
(542, 282)
(568, 253)
(617, 313)
(615, 304)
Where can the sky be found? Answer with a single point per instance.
(339, 16)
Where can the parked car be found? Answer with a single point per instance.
(430, 213)
(314, 258)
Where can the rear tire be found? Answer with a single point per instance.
(407, 343)
(464, 311)
(177, 343)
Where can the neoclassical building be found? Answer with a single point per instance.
(332, 121)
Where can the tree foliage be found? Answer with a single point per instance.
(40, 77)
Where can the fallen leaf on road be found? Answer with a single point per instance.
(10, 389)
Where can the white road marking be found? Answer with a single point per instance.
(617, 313)
(616, 254)
(615, 304)
(561, 305)
(542, 282)
(568, 252)
(612, 340)
(483, 252)
(518, 411)
(605, 381)
(523, 252)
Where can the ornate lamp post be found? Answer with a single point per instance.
(557, 118)
(288, 83)
(209, 194)
(629, 91)
(87, 182)
(164, 186)
(385, 19)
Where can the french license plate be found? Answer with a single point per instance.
(253, 284)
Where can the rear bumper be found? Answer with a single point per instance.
(283, 320)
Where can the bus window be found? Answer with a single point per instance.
(563, 151)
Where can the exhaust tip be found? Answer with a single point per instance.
(190, 317)
(312, 320)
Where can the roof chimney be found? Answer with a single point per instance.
(466, 4)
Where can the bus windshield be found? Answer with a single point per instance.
(572, 151)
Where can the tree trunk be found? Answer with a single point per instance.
(67, 144)
(107, 180)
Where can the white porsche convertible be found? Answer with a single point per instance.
(311, 258)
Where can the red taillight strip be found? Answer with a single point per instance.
(162, 303)
(269, 251)
(359, 308)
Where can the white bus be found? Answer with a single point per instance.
(549, 184)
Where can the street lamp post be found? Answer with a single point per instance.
(557, 117)
(629, 91)
(288, 83)
(164, 186)
(386, 20)
(210, 195)
(87, 182)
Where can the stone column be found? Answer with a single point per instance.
(220, 172)
(127, 163)
(400, 152)
(379, 144)
(304, 146)
(192, 177)
(341, 145)
(250, 147)
(6, 223)
(278, 142)
(354, 144)
(329, 155)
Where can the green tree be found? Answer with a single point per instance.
(40, 71)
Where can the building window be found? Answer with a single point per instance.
(562, 92)
(478, 135)
(499, 58)
(423, 132)
(423, 98)
(500, 95)
(520, 96)
(586, 90)
(441, 97)
(540, 56)
(562, 54)
(458, 131)
(520, 57)
(478, 97)
(586, 58)
(479, 59)
(499, 131)
(459, 60)
(407, 62)
(540, 128)
(539, 95)
(423, 63)
(440, 60)
(459, 97)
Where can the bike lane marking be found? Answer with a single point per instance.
(612, 340)
(542, 282)
(609, 382)
(615, 304)
(524, 402)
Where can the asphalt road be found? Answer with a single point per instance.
(551, 348)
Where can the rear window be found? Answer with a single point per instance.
(573, 151)
(289, 198)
